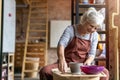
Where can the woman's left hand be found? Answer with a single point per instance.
(89, 61)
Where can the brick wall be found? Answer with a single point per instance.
(59, 9)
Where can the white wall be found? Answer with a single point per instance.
(57, 27)
(9, 26)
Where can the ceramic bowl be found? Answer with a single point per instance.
(92, 69)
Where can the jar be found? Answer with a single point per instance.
(85, 1)
(91, 1)
(99, 1)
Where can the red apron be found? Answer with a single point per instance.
(77, 50)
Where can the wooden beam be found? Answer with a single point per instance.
(115, 32)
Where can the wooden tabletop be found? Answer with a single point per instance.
(68, 74)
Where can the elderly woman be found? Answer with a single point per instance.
(77, 44)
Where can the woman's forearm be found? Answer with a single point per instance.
(60, 53)
(62, 65)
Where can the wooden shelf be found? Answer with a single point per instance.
(91, 5)
(102, 32)
(4, 65)
(8, 66)
(101, 41)
(100, 59)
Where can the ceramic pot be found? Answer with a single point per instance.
(75, 67)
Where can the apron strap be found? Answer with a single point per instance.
(74, 27)
(90, 36)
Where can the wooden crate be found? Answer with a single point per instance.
(19, 51)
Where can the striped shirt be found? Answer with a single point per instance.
(68, 35)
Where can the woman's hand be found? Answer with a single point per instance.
(62, 66)
(89, 61)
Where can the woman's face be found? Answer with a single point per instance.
(90, 28)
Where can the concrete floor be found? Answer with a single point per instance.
(17, 76)
(26, 79)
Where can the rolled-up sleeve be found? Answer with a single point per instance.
(94, 42)
(66, 36)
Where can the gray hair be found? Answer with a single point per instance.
(92, 16)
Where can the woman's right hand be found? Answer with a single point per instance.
(62, 66)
